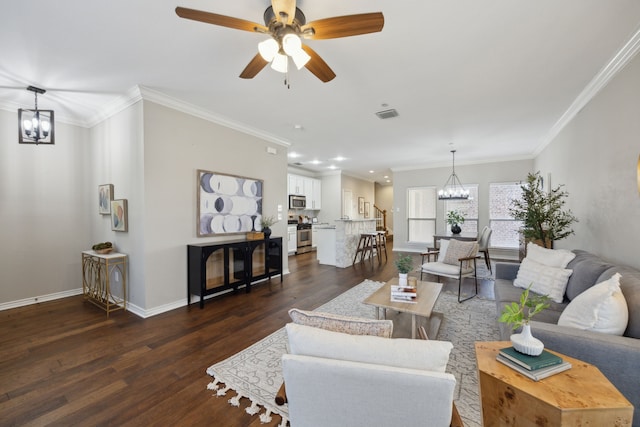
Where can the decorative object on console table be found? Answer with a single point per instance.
(105, 196)
(455, 218)
(266, 222)
(119, 215)
(227, 204)
(519, 315)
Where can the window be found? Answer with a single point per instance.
(505, 228)
(421, 214)
(468, 208)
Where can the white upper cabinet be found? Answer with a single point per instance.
(311, 188)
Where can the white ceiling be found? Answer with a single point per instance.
(492, 77)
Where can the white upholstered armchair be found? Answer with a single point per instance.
(336, 379)
(455, 259)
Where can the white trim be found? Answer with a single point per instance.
(42, 298)
(604, 76)
(176, 104)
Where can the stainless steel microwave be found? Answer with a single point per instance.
(297, 202)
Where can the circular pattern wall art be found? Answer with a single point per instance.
(228, 204)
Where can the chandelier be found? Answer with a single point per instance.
(36, 126)
(453, 189)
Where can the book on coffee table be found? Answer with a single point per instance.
(531, 362)
(403, 294)
(536, 374)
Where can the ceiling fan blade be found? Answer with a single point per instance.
(317, 66)
(344, 26)
(222, 20)
(285, 10)
(253, 67)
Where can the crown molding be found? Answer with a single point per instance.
(459, 163)
(185, 107)
(604, 76)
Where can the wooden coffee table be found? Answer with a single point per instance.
(428, 293)
(580, 396)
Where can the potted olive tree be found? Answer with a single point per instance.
(542, 213)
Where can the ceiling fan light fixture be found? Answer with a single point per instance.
(300, 58)
(291, 44)
(280, 63)
(268, 49)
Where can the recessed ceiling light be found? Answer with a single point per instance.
(340, 159)
(332, 167)
(297, 127)
(315, 162)
(293, 155)
(386, 177)
(388, 180)
(371, 171)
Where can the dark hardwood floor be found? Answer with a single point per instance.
(64, 363)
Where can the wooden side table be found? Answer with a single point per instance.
(580, 396)
(96, 279)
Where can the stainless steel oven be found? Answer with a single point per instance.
(304, 238)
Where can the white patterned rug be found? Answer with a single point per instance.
(255, 373)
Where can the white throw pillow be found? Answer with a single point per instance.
(543, 279)
(444, 245)
(428, 355)
(344, 324)
(601, 308)
(558, 258)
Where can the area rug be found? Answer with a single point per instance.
(255, 373)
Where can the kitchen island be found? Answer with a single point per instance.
(337, 244)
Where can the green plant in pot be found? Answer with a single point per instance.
(542, 213)
(454, 219)
(266, 222)
(519, 315)
(404, 264)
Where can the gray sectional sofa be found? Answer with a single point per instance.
(617, 357)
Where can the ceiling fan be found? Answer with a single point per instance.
(286, 24)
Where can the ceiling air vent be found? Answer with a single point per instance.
(387, 114)
(297, 164)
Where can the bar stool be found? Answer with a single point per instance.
(365, 245)
(381, 242)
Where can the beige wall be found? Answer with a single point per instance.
(481, 174)
(150, 154)
(384, 201)
(595, 156)
(359, 188)
(44, 197)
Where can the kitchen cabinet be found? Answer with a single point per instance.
(311, 188)
(292, 233)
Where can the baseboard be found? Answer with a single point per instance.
(42, 298)
(133, 308)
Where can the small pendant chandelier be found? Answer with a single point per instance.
(36, 126)
(453, 189)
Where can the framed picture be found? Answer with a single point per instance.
(119, 215)
(361, 205)
(105, 196)
(228, 204)
(366, 209)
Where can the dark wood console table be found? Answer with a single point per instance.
(217, 266)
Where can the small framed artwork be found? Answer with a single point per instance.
(105, 196)
(366, 209)
(361, 205)
(119, 215)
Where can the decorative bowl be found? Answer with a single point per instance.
(103, 251)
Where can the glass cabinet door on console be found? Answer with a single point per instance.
(215, 267)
